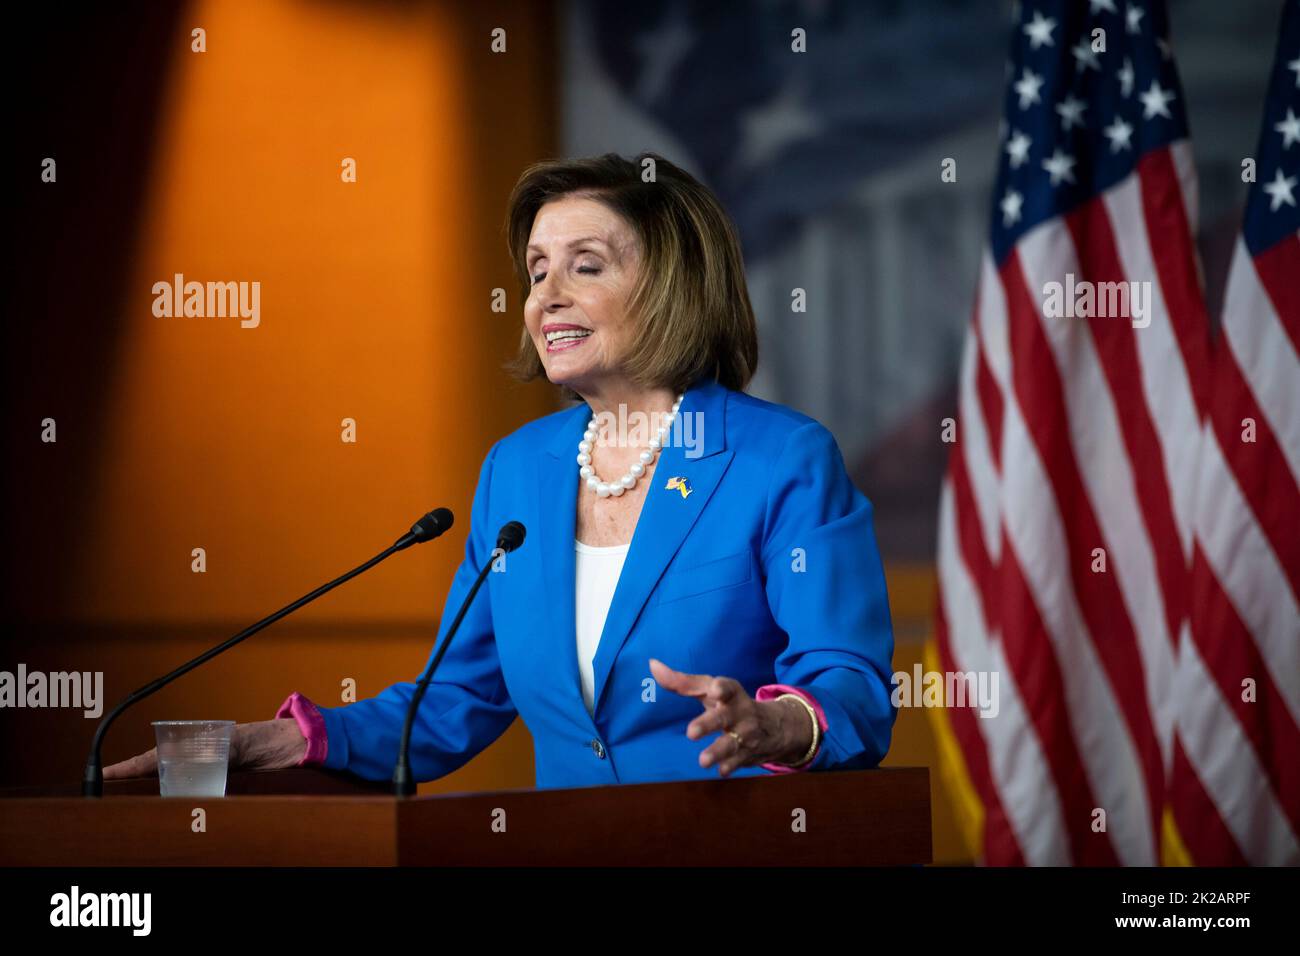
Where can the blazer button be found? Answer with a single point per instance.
(598, 749)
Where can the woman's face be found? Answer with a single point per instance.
(584, 261)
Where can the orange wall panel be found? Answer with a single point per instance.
(374, 306)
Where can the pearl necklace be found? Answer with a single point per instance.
(628, 481)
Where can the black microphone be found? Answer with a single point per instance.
(426, 529)
(510, 537)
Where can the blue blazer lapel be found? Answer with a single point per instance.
(557, 510)
(666, 519)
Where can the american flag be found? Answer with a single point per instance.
(1235, 785)
(1067, 514)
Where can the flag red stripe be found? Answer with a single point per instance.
(1231, 655)
(1011, 612)
(1001, 848)
(1040, 395)
(990, 397)
(1260, 468)
(1037, 673)
(1202, 830)
(1094, 241)
(1279, 272)
(1169, 236)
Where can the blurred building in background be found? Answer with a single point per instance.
(829, 161)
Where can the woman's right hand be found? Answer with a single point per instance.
(261, 745)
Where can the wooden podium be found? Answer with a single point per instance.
(309, 817)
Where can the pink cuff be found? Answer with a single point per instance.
(772, 692)
(312, 725)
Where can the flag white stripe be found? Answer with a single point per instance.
(992, 319)
(1225, 762)
(1264, 353)
(1017, 764)
(974, 441)
(1248, 570)
(1038, 538)
(1047, 255)
(1165, 382)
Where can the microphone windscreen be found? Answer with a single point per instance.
(436, 522)
(511, 536)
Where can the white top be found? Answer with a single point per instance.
(597, 571)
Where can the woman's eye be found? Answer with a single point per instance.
(584, 270)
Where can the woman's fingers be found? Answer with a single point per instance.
(728, 709)
(261, 745)
(721, 691)
(725, 704)
(721, 749)
(679, 682)
(703, 687)
(729, 752)
(141, 765)
(715, 717)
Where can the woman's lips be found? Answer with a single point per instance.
(566, 344)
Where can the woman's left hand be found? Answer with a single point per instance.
(753, 732)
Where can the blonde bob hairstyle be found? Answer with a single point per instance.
(690, 306)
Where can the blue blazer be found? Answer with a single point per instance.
(767, 572)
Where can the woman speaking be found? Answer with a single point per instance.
(700, 589)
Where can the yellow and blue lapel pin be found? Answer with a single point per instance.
(681, 484)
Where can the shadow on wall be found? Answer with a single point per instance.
(92, 82)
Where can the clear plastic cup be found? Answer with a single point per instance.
(193, 756)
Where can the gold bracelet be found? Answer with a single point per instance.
(817, 729)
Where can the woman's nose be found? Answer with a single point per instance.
(551, 293)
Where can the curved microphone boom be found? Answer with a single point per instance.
(510, 537)
(426, 529)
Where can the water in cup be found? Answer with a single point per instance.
(193, 756)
